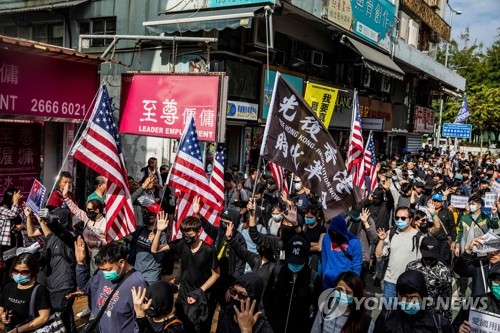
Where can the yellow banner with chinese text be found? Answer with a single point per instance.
(322, 101)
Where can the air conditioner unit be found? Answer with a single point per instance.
(367, 77)
(386, 84)
(316, 58)
(403, 26)
(413, 33)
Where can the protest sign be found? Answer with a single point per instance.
(483, 321)
(496, 186)
(36, 196)
(459, 201)
(490, 199)
(490, 243)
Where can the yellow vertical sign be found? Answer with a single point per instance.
(322, 101)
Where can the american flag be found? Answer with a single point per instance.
(217, 177)
(279, 176)
(355, 165)
(189, 179)
(370, 162)
(99, 148)
(463, 113)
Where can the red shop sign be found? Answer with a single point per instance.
(160, 104)
(41, 86)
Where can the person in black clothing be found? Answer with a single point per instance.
(447, 232)
(315, 231)
(16, 297)
(410, 315)
(294, 290)
(246, 289)
(153, 309)
(195, 304)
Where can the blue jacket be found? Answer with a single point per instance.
(341, 252)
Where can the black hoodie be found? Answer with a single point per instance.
(254, 286)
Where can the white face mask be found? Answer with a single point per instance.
(473, 208)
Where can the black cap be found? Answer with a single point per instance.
(430, 247)
(494, 271)
(296, 251)
(476, 198)
(355, 211)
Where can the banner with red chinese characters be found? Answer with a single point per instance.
(423, 120)
(19, 155)
(160, 104)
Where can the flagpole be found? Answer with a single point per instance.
(269, 115)
(73, 144)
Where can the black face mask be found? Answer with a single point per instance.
(423, 227)
(189, 239)
(92, 215)
(336, 237)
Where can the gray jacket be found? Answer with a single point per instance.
(366, 236)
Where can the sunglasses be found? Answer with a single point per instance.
(24, 272)
(402, 218)
(237, 295)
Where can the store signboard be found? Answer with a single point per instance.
(269, 77)
(40, 86)
(322, 100)
(242, 110)
(183, 5)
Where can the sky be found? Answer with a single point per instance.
(481, 16)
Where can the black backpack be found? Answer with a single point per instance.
(415, 240)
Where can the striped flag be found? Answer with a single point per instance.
(355, 165)
(370, 162)
(279, 176)
(99, 148)
(463, 113)
(189, 179)
(217, 177)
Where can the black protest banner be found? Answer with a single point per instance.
(295, 139)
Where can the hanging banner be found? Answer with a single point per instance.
(322, 101)
(160, 104)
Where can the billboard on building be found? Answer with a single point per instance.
(372, 20)
(423, 120)
(322, 100)
(160, 104)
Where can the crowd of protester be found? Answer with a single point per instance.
(274, 264)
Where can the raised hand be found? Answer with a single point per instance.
(65, 190)
(161, 221)
(80, 252)
(195, 205)
(229, 230)
(27, 211)
(292, 214)
(431, 207)
(365, 215)
(245, 315)
(251, 207)
(382, 234)
(16, 197)
(138, 296)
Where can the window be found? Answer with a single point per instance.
(49, 33)
(99, 26)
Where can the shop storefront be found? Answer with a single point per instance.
(44, 92)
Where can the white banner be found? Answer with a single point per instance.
(459, 201)
(483, 321)
(490, 199)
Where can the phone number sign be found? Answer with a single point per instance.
(41, 86)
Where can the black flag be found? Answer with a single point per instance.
(296, 139)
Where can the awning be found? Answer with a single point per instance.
(377, 61)
(204, 20)
(56, 5)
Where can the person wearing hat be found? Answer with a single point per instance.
(474, 224)
(140, 241)
(469, 264)
(153, 307)
(437, 275)
(361, 224)
(411, 314)
(292, 290)
(490, 302)
(444, 224)
(244, 296)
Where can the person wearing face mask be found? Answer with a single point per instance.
(437, 275)
(16, 296)
(153, 309)
(274, 223)
(361, 224)
(444, 227)
(474, 224)
(140, 242)
(195, 304)
(114, 271)
(411, 315)
(302, 196)
(341, 252)
(247, 289)
(470, 265)
(400, 245)
(350, 318)
(271, 197)
(490, 302)
(315, 233)
(293, 288)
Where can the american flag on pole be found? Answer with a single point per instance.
(99, 148)
(370, 162)
(355, 165)
(189, 179)
(217, 177)
(463, 113)
(279, 176)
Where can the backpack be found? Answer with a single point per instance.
(174, 326)
(416, 239)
